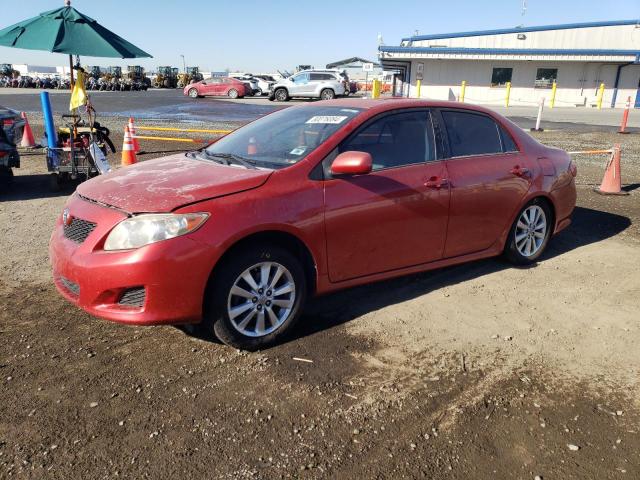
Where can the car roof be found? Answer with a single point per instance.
(383, 104)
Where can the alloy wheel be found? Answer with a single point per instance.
(261, 299)
(531, 230)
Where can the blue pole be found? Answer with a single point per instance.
(52, 137)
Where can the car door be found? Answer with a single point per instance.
(212, 86)
(488, 178)
(300, 85)
(396, 216)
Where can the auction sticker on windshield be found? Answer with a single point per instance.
(334, 119)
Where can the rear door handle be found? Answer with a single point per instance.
(519, 171)
(436, 182)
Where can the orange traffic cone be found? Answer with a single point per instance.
(128, 152)
(132, 131)
(27, 135)
(612, 180)
(252, 148)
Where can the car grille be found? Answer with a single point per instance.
(78, 230)
(70, 286)
(133, 297)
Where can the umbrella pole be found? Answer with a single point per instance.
(73, 132)
(71, 70)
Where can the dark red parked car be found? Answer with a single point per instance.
(305, 201)
(218, 86)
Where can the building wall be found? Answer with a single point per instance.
(577, 82)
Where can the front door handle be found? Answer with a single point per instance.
(436, 182)
(519, 171)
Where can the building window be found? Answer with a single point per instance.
(500, 76)
(545, 77)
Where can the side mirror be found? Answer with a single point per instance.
(352, 163)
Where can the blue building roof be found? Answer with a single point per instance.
(564, 26)
(511, 51)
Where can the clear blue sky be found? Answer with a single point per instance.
(266, 35)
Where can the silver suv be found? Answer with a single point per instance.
(323, 84)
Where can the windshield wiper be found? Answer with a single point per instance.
(203, 155)
(231, 158)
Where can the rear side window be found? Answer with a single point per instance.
(322, 76)
(508, 145)
(471, 134)
(395, 140)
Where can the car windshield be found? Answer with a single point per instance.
(284, 137)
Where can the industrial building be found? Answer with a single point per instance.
(523, 64)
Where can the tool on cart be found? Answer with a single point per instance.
(81, 150)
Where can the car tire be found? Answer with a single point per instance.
(281, 95)
(246, 316)
(530, 233)
(193, 93)
(327, 94)
(232, 93)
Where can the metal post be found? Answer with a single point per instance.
(375, 89)
(539, 118)
(625, 117)
(508, 94)
(418, 87)
(553, 95)
(600, 96)
(463, 87)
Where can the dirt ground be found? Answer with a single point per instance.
(479, 371)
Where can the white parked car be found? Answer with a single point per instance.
(322, 84)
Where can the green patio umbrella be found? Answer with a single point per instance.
(66, 30)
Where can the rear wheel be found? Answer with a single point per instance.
(327, 94)
(233, 93)
(193, 93)
(256, 297)
(281, 95)
(529, 233)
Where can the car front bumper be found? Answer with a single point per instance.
(160, 283)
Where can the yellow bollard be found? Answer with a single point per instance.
(553, 95)
(600, 96)
(463, 87)
(375, 89)
(418, 86)
(508, 94)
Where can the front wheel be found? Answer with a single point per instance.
(281, 95)
(256, 298)
(233, 93)
(327, 94)
(529, 233)
(193, 93)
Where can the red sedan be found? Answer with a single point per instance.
(305, 201)
(218, 86)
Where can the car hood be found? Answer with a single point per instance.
(166, 183)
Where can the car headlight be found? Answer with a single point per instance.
(144, 229)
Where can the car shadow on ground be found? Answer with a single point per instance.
(31, 187)
(323, 313)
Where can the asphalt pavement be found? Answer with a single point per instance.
(173, 106)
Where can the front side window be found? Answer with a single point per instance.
(471, 134)
(500, 76)
(395, 140)
(302, 78)
(545, 77)
(284, 137)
